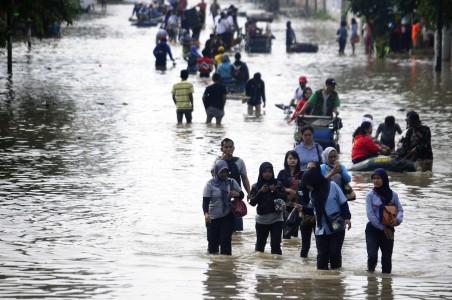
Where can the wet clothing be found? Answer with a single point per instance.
(182, 91)
(388, 134)
(205, 66)
(308, 153)
(418, 138)
(269, 217)
(262, 232)
(376, 239)
(237, 170)
(323, 104)
(217, 203)
(215, 96)
(224, 70)
(342, 38)
(239, 71)
(160, 52)
(375, 235)
(290, 37)
(214, 201)
(219, 232)
(255, 90)
(335, 203)
(363, 147)
(180, 113)
(330, 206)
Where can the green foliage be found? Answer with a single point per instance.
(322, 15)
(378, 12)
(427, 9)
(39, 13)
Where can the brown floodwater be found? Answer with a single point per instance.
(101, 192)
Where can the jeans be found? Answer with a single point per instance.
(376, 239)
(329, 249)
(238, 224)
(219, 233)
(275, 231)
(180, 114)
(306, 232)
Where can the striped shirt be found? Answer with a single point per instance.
(182, 91)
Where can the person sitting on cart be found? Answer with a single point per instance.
(323, 102)
(296, 113)
(251, 28)
(299, 91)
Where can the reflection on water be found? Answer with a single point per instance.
(222, 279)
(101, 191)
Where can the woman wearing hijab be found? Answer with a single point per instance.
(217, 208)
(269, 196)
(332, 169)
(332, 215)
(379, 236)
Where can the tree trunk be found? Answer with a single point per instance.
(315, 5)
(306, 7)
(9, 38)
(439, 37)
(324, 5)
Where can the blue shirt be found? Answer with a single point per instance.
(307, 154)
(344, 174)
(332, 206)
(373, 203)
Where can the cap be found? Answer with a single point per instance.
(330, 81)
(302, 79)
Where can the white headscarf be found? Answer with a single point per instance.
(326, 153)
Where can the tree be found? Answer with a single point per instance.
(379, 13)
(32, 14)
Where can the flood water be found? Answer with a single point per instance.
(101, 192)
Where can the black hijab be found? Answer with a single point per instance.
(260, 180)
(321, 188)
(384, 191)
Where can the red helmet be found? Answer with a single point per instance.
(302, 79)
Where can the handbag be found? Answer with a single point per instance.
(389, 214)
(239, 209)
(349, 193)
(307, 219)
(337, 223)
(355, 39)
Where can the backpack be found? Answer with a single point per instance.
(160, 52)
(238, 72)
(234, 170)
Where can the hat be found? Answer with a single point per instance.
(302, 79)
(330, 81)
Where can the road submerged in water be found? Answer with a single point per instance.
(101, 191)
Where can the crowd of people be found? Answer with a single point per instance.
(312, 190)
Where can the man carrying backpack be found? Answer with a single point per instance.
(240, 74)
